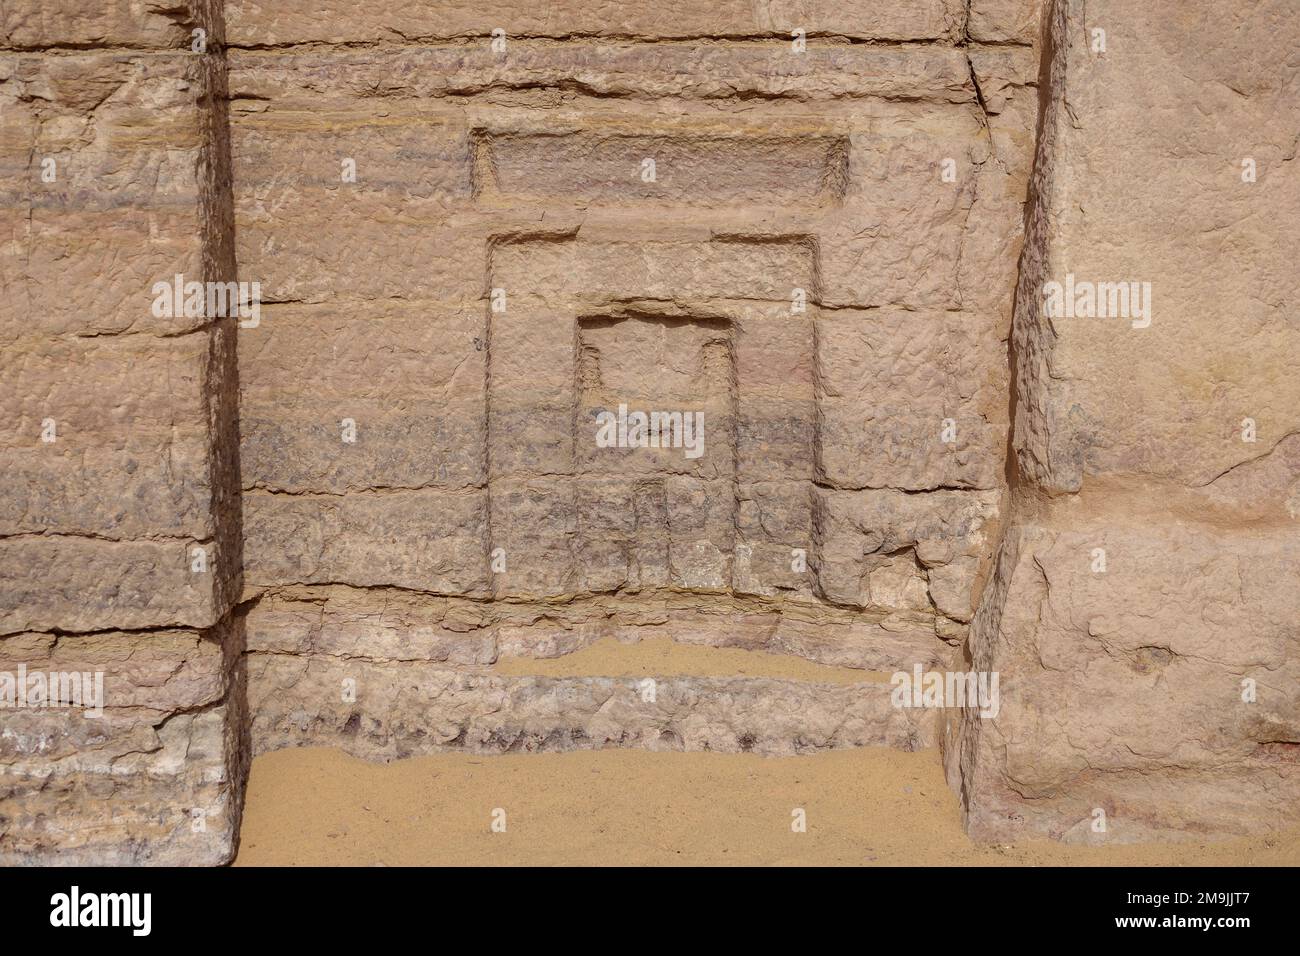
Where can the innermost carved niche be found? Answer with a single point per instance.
(664, 387)
(654, 425)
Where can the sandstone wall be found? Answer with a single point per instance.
(118, 448)
(1143, 610)
(394, 476)
(880, 172)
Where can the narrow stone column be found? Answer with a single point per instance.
(120, 546)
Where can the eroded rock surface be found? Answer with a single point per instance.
(474, 263)
(481, 229)
(120, 559)
(1142, 614)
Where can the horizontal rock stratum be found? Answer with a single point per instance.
(738, 325)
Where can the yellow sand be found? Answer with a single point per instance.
(664, 657)
(874, 806)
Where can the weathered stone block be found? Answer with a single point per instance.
(155, 778)
(99, 190)
(913, 401)
(74, 583)
(106, 436)
(410, 382)
(1160, 690)
(859, 532)
(404, 709)
(918, 72)
(1004, 21)
(107, 23)
(1204, 351)
(332, 22)
(588, 166)
(422, 540)
(345, 623)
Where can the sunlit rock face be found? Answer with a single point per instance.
(352, 349)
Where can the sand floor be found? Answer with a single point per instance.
(874, 806)
(664, 657)
(319, 806)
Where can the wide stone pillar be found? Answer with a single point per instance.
(1143, 614)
